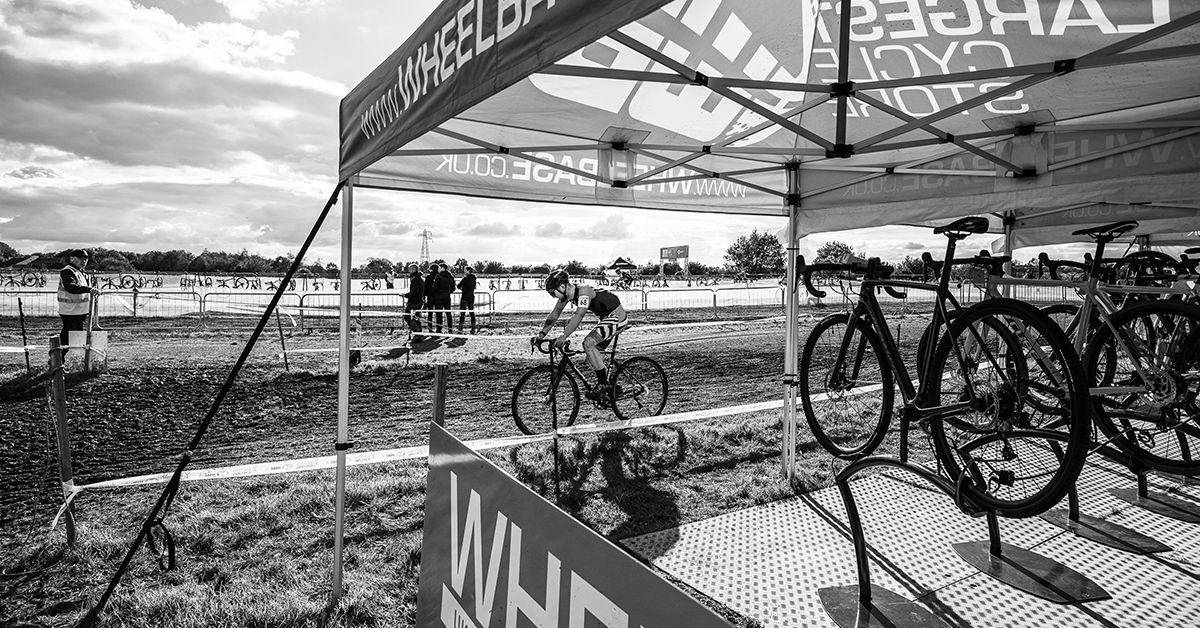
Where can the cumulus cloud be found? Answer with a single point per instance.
(495, 229)
(34, 172)
(253, 9)
(130, 86)
(913, 246)
(614, 227)
(549, 230)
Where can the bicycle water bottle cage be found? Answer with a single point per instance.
(1107, 233)
(963, 227)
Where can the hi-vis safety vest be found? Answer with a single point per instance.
(70, 303)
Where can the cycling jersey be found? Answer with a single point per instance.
(598, 301)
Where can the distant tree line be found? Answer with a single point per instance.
(245, 262)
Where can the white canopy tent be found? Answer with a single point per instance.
(837, 115)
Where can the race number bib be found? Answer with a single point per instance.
(583, 301)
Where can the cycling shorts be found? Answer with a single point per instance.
(610, 326)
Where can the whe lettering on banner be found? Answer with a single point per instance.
(496, 554)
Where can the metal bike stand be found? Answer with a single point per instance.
(865, 604)
(1158, 502)
(1028, 571)
(1099, 530)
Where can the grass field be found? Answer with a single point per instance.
(258, 551)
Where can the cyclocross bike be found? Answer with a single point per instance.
(1141, 349)
(547, 396)
(999, 392)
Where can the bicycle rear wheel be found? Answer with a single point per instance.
(847, 406)
(543, 400)
(639, 389)
(1010, 413)
(1145, 400)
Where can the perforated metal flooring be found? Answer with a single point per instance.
(768, 562)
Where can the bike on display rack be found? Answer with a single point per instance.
(1140, 348)
(1000, 391)
(547, 396)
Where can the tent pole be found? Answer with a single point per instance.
(343, 431)
(792, 333)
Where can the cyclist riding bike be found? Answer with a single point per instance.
(604, 304)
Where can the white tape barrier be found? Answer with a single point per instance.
(422, 451)
(523, 337)
(697, 415)
(308, 464)
(21, 349)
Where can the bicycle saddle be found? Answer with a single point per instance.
(1109, 231)
(964, 227)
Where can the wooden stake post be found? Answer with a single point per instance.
(58, 390)
(439, 394)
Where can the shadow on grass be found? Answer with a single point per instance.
(628, 465)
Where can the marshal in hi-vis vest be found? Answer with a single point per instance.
(70, 303)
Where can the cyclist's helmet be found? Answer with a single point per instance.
(555, 279)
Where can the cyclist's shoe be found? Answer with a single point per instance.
(599, 393)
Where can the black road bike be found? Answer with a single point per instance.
(547, 396)
(999, 389)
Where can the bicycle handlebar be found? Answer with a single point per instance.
(546, 345)
(871, 269)
(993, 264)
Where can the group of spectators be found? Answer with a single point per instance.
(431, 293)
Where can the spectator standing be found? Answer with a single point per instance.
(430, 276)
(443, 288)
(75, 294)
(415, 297)
(466, 298)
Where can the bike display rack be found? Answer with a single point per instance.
(1108, 533)
(865, 604)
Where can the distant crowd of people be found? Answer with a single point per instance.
(431, 293)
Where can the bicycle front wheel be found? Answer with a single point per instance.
(545, 399)
(1010, 419)
(639, 389)
(847, 402)
(1145, 399)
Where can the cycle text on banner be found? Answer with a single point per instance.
(494, 550)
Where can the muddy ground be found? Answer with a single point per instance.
(139, 414)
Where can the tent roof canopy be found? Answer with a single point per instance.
(885, 113)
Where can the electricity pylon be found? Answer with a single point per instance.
(426, 238)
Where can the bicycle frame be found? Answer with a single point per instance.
(867, 311)
(1095, 295)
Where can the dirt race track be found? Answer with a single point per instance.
(138, 416)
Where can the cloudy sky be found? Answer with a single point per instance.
(194, 124)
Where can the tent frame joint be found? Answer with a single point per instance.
(619, 184)
(845, 88)
(1024, 129)
(701, 80)
(1064, 66)
(1025, 173)
(840, 151)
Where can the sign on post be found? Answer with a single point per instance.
(673, 252)
(494, 551)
